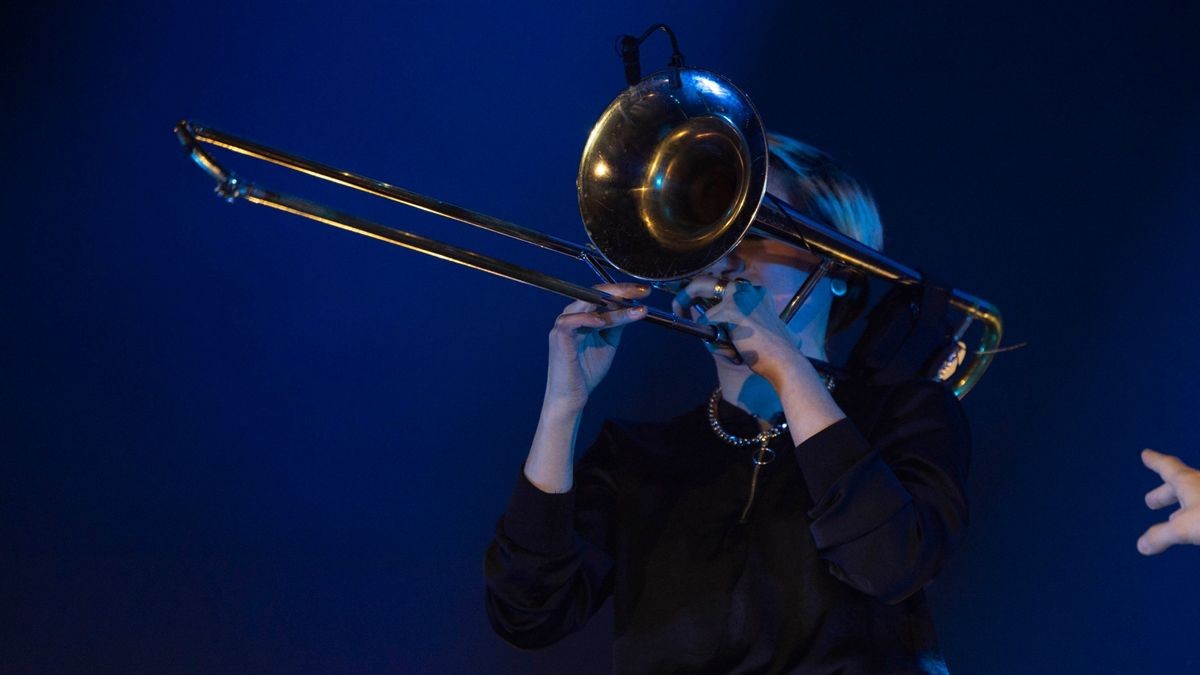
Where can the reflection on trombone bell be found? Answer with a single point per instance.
(674, 175)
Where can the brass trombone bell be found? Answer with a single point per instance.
(672, 174)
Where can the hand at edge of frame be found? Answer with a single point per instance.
(1181, 485)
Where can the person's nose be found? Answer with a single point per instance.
(730, 266)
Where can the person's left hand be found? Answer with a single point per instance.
(760, 337)
(1181, 484)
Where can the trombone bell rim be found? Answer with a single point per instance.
(673, 174)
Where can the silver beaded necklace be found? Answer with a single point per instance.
(761, 439)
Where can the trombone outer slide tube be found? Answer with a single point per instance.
(199, 133)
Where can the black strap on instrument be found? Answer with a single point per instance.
(906, 337)
(629, 49)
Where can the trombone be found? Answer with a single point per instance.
(673, 176)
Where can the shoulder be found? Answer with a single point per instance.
(912, 405)
(924, 397)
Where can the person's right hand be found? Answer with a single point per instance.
(1181, 484)
(583, 343)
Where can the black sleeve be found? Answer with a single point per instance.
(548, 568)
(889, 512)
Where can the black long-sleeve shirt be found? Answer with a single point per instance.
(825, 576)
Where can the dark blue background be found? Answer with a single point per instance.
(238, 441)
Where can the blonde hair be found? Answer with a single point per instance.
(822, 190)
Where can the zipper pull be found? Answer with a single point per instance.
(763, 457)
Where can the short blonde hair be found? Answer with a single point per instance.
(821, 189)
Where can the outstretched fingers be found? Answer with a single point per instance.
(1162, 496)
(1159, 538)
(1181, 484)
(1166, 466)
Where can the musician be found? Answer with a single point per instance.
(806, 553)
(1181, 485)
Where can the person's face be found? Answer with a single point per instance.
(778, 267)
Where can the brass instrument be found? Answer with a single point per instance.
(673, 176)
